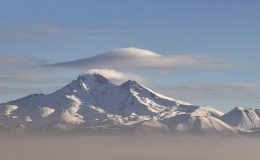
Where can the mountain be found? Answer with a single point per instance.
(244, 118)
(92, 103)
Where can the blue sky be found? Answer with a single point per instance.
(52, 31)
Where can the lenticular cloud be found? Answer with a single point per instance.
(140, 58)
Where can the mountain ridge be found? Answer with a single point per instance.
(92, 101)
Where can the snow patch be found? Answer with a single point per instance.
(97, 109)
(28, 119)
(116, 119)
(8, 109)
(153, 106)
(46, 111)
(85, 86)
(70, 115)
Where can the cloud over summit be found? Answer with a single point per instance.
(117, 76)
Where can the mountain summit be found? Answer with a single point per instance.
(245, 118)
(94, 103)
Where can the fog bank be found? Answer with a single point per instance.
(128, 148)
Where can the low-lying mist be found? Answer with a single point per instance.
(128, 148)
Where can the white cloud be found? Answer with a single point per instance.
(132, 58)
(117, 76)
(109, 73)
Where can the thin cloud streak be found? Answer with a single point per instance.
(19, 61)
(23, 69)
(14, 90)
(31, 79)
(245, 92)
(36, 31)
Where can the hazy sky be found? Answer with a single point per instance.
(211, 48)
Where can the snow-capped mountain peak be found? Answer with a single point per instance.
(94, 78)
(245, 118)
(91, 101)
(130, 84)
